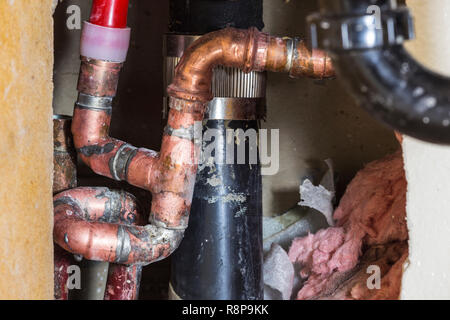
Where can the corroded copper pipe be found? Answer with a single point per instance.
(170, 175)
(123, 282)
(124, 279)
(64, 155)
(97, 224)
(90, 129)
(98, 205)
(62, 261)
(64, 177)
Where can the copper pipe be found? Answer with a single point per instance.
(98, 78)
(169, 175)
(99, 225)
(90, 128)
(123, 282)
(249, 50)
(64, 155)
(124, 279)
(64, 177)
(100, 205)
(62, 261)
(294, 57)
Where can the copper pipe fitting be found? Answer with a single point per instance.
(294, 57)
(100, 204)
(124, 279)
(249, 50)
(99, 225)
(64, 155)
(64, 178)
(123, 282)
(90, 129)
(169, 176)
(99, 78)
(243, 49)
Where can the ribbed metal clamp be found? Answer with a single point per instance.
(370, 31)
(238, 95)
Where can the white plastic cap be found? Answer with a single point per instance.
(102, 43)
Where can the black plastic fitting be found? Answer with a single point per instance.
(203, 16)
(383, 77)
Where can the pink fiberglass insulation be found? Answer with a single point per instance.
(370, 230)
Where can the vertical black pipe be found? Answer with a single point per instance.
(221, 257)
(203, 16)
(221, 254)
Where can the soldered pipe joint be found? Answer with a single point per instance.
(248, 50)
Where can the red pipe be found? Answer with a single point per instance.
(109, 13)
(123, 282)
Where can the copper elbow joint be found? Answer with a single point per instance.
(103, 225)
(249, 50)
(243, 49)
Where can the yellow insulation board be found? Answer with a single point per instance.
(26, 217)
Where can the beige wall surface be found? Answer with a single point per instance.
(26, 149)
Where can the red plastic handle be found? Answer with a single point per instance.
(109, 13)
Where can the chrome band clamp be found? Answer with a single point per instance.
(291, 45)
(93, 102)
(236, 109)
(376, 29)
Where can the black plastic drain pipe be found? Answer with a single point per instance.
(221, 254)
(203, 16)
(221, 257)
(369, 57)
